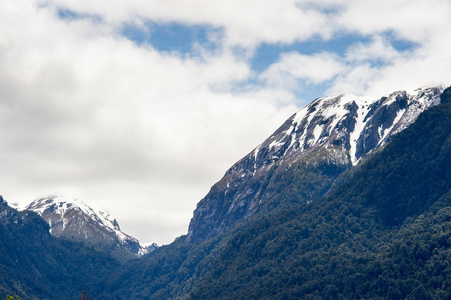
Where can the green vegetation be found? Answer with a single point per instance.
(384, 232)
(281, 258)
(35, 265)
(305, 181)
(354, 243)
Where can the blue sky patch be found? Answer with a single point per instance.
(182, 38)
(403, 45)
(67, 14)
(267, 54)
(172, 37)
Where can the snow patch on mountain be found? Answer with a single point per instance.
(72, 218)
(353, 116)
(337, 130)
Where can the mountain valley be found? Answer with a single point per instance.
(349, 199)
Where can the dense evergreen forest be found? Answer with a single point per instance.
(384, 232)
(35, 265)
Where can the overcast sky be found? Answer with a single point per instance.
(137, 107)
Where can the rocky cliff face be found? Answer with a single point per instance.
(322, 140)
(72, 219)
(7, 214)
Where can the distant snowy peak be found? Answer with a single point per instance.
(61, 205)
(356, 124)
(73, 219)
(147, 248)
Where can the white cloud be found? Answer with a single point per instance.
(379, 49)
(424, 65)
(413, 20)
(246, 23)
(293, 66)
(85, 111)
(356, 81)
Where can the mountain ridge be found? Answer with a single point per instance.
(383, 232)
(345, 129)
(72, 219)
(36, 265)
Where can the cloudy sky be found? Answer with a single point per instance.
(137, 107)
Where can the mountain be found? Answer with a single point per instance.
(382, 232)
(36, 265)
(385, 233)
(72, 219)
(375, 227)
(315, 145)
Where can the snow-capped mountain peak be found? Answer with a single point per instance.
(358, 124)
(61, 205)
(71, 218)
(337, 131)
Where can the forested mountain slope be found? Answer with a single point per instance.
(352, 244)
(302, 159)
(35, 265)
(385, 233)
